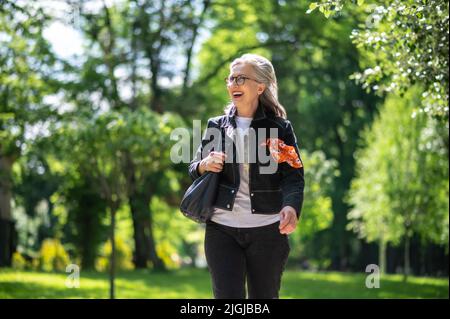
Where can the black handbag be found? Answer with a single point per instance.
(197, 202)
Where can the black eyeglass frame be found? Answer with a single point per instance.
(235, 79)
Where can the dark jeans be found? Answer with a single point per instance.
(235, 255)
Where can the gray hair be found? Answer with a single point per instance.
(264, 73)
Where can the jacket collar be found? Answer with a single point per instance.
(230, 118)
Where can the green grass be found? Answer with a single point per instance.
(195, 283)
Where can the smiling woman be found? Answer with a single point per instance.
(246, 239)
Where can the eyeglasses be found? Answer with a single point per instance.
(239, 80)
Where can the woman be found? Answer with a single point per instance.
(255, 209)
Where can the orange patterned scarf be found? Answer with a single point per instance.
(282, 152)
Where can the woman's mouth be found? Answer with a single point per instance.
(237, 95)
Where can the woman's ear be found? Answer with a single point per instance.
(261, 88)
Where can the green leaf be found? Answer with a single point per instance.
(312, 7)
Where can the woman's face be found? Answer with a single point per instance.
(246, 94)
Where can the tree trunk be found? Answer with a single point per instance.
(7, 233)
(139, 197)
(156, 95)
(382, 256)
(141, 242)
(145, 249)
(6, 222)
(88, 243)
(112, 261)
(406, 259)
(157, 263)
(189, 50)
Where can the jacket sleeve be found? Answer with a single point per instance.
(206, 139)
(292, 179)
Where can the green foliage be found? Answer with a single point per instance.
(328, 8)
(123, 257)
(84, 227)
(53, 256)
(33, 186)
(408, 44)
(317, 214)
(220, 49)
(173, 250)
(100, 144)
(403, 42)
(25, 73)
(402, 176)
(168, 254)
(108, 139)
(319, 175)
(18, 262)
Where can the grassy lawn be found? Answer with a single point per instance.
(189, 283)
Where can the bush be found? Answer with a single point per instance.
(168, 255)
(18, 262)
(53, 256)
(123, 256)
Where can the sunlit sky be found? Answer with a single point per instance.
(67, 41)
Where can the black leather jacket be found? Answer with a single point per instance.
(269, 193)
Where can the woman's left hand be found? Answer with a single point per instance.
(288, 220)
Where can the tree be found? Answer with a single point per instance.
(86, 209)
(99, 146)
(402, 182)
(403, 42)
(132, 38)
(26, 66)
(34, 185)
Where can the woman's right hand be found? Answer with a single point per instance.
(213, 162)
